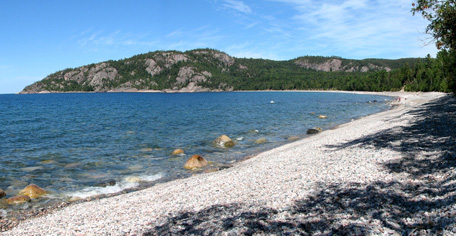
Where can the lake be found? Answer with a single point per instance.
(78, 145)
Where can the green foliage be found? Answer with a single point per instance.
(442, 17)
(223, 72)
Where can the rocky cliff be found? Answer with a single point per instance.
(199, 70)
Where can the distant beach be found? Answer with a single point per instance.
(387, 173)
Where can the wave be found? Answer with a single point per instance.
(126, 183)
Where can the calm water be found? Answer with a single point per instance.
(86, 144)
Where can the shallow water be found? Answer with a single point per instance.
(81, 145)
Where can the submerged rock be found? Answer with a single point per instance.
(33, 191)
(2, 193)
(133, 179)
(177, 152)
(260, 140)
(18, 200)
(314, 130)
(196, 161)
(292, 138)
(224, 141)
(106, 183)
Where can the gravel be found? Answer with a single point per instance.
(388, 173)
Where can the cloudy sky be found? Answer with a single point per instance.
(41, 37)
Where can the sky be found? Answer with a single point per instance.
(39, 38)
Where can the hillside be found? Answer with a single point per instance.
(203, 70)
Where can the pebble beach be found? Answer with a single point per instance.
(391, 173)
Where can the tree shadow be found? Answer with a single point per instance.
(424, 204)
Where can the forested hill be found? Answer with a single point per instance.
(211, 70)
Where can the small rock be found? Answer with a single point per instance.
(260, 140)
(18, 200)
(322, 117)
(2, 193)
(177, 152)
(224, 141)
(33, 191)
(314, 130)
(196, 161)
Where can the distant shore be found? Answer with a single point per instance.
(363, 177)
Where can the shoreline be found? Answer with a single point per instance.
(244, 184)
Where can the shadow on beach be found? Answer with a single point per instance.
(422, 204)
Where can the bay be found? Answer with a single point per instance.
(81, 145)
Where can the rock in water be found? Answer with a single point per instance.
(322, 117)
(177, 152)
(2, 193)
(18, 200)
(314, 130)
(133, 179)
(196, 161)
(224, 141)
(260, 140)
(33, 191)
(292, 138)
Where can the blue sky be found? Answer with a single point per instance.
(39, 38)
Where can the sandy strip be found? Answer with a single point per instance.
(275, 179)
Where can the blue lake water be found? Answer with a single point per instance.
(80, 145)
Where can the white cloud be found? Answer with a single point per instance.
(90, 39)
(238, 6)
(361, 28)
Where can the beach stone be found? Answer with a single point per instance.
(196, 161)
(260, 140)
(33, 191)
(18, 200)
(322, 117)
(177, 152)
(314, 130)
(224, 141)
(2, 193)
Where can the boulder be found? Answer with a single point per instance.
(2, 193)
(196, 161)
(33, 191)
(177, 152)
(18, 200)
(224, 141)
(322, 117)
(314, 130)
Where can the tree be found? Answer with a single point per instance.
(442, 26)
(442, 17)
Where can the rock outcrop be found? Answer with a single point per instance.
(337, 64)
(196, 161)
